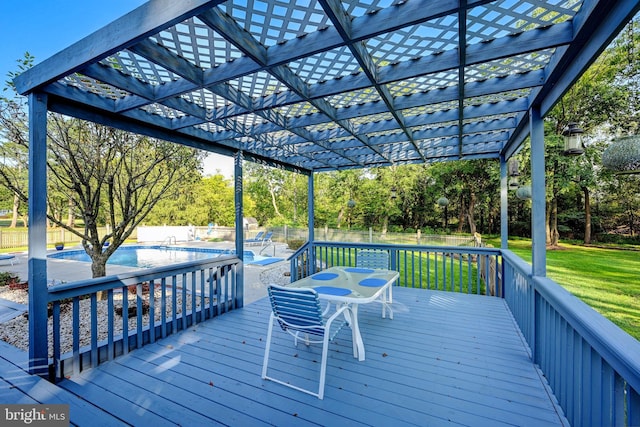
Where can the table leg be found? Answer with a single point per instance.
(358, 344)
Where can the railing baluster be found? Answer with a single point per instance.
(184, 301)
(125, 320)
(56, 337)
(139, 310)
(194, 297)
(152, 311)
(76, 335)
(110, 325)
(163, 306)
(203, 296)
(219, 290)
(174, 303)
(94, 329)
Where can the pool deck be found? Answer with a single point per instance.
(71, 271)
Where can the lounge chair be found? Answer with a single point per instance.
(260, 241)
(256, 239)
(9, 257)
(298, 311)
(371, 258)
(266, 238)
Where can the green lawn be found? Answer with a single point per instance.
(606, 279)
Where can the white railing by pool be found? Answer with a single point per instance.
(172, 298)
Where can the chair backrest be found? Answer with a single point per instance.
(297, 309)
(369, 258)
(268, 236)
(259, 235)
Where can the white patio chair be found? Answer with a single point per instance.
(298, 311)
(371, 258)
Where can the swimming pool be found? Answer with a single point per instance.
(152, 256)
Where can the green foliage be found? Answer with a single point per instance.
(7, 278)
(295, 244)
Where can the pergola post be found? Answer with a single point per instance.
(504, 204)
(237, 163)
(311, 221)
(538, 195)
(37, 276)
(311, 208)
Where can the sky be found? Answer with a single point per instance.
(45, 27)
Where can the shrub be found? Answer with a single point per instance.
(7, 278)
(295, 244)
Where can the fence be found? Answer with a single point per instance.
(326, 234)
(14, 239)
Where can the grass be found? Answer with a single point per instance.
(608, 280)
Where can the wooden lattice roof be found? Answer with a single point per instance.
(317, 85)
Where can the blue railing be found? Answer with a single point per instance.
(591, 365)
(105, 321)
(448, 268)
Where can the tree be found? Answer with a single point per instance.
(113, 177)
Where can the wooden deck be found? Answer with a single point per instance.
(445, 359)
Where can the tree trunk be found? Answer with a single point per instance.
(587, 216)
(99, 269)
(16, 206)
(273, 202)
(555, 235)
(461, 215)
(71, 217)
(471, 213)
(340, 217)
(547, 224)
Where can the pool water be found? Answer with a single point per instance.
(152, 256)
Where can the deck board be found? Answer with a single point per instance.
(445, 359)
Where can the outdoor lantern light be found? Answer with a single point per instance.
(351, 204)
(524, 192)
(393, 192)
(513, 167)
(513, 184)
(572, 140)
(623, 155)
(443, 201)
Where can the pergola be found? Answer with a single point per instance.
(322, 85)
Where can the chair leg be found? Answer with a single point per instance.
(265, 361)
(323, 366)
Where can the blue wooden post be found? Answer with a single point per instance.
(311, 220)
(538, 195)
(504, 204)
(38, 293)
(239, 227)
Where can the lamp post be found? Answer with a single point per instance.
(572, 140)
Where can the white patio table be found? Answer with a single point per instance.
(352, 286)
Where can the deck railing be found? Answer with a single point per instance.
(448, 268)
(103, 317)
(592, 366)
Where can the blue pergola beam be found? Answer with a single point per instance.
(134, 27)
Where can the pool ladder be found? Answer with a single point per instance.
(167, 241)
